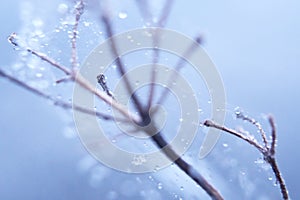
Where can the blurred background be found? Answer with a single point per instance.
(255, 48)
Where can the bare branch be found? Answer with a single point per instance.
(165, 13)
(273, 132)
(184, 166)
(77, 77)
(178, 67)
(279, 178)
(120, 65)
(143, 7)
(12, 40)
(210, 123)
(79, 9)
(55, 101)
(268, 152)
(240, 115)
(156, 40)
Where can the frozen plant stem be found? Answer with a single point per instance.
(267, 151)
(78, 78)
(145, 117)
(57, 102)
(79, 8)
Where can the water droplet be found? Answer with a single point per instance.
(159, 186)
(38, 75)
(180, 119)
(62, 8)
(122, 15)
(86, 23)
(181, 188)
(37, 23)
(138, 160)
(225, 145)
(151, 178)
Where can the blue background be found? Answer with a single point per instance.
(255, 46)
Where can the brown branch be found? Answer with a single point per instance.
(78, 78)
(273, 144)
(158, 138)
(55, 101)
(79, 9)
(156, 40)
(165, 13)
(121, 68)
(240, 115)
(184, 166)
(210, 123)
(178, 67)
(12, 39)
(268, 152)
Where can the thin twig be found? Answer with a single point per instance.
(240, 115)
(268, 152)
(158, 138)
(178, 67)
(273, 144)
(210, 123)
(121, 68)
(12, 39)
(144, 9)
(78, 78)
(156, 40)
(79, 9)
(57, 102)
(184, 166)
(165, 13)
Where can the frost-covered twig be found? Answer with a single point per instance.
(56, 101)
(268, 152)
(12, 39)
(157, 138)
(190, 50)
(144, 113)
(240, 115)
(120, 65)
(79, 8)
(156, 40)
(78, 78)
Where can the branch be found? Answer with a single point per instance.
(12, 39)
(178, 67)
(57, 102)
(78, 78)
(156, 40)
(184, 166)
(158, 138)
(209, 123)
(268, 152)
(120, 65)
(79, 8)
(240, 115)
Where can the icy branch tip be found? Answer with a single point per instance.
(11, 39)
(208, 123)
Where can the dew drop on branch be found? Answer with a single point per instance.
(122, 15)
